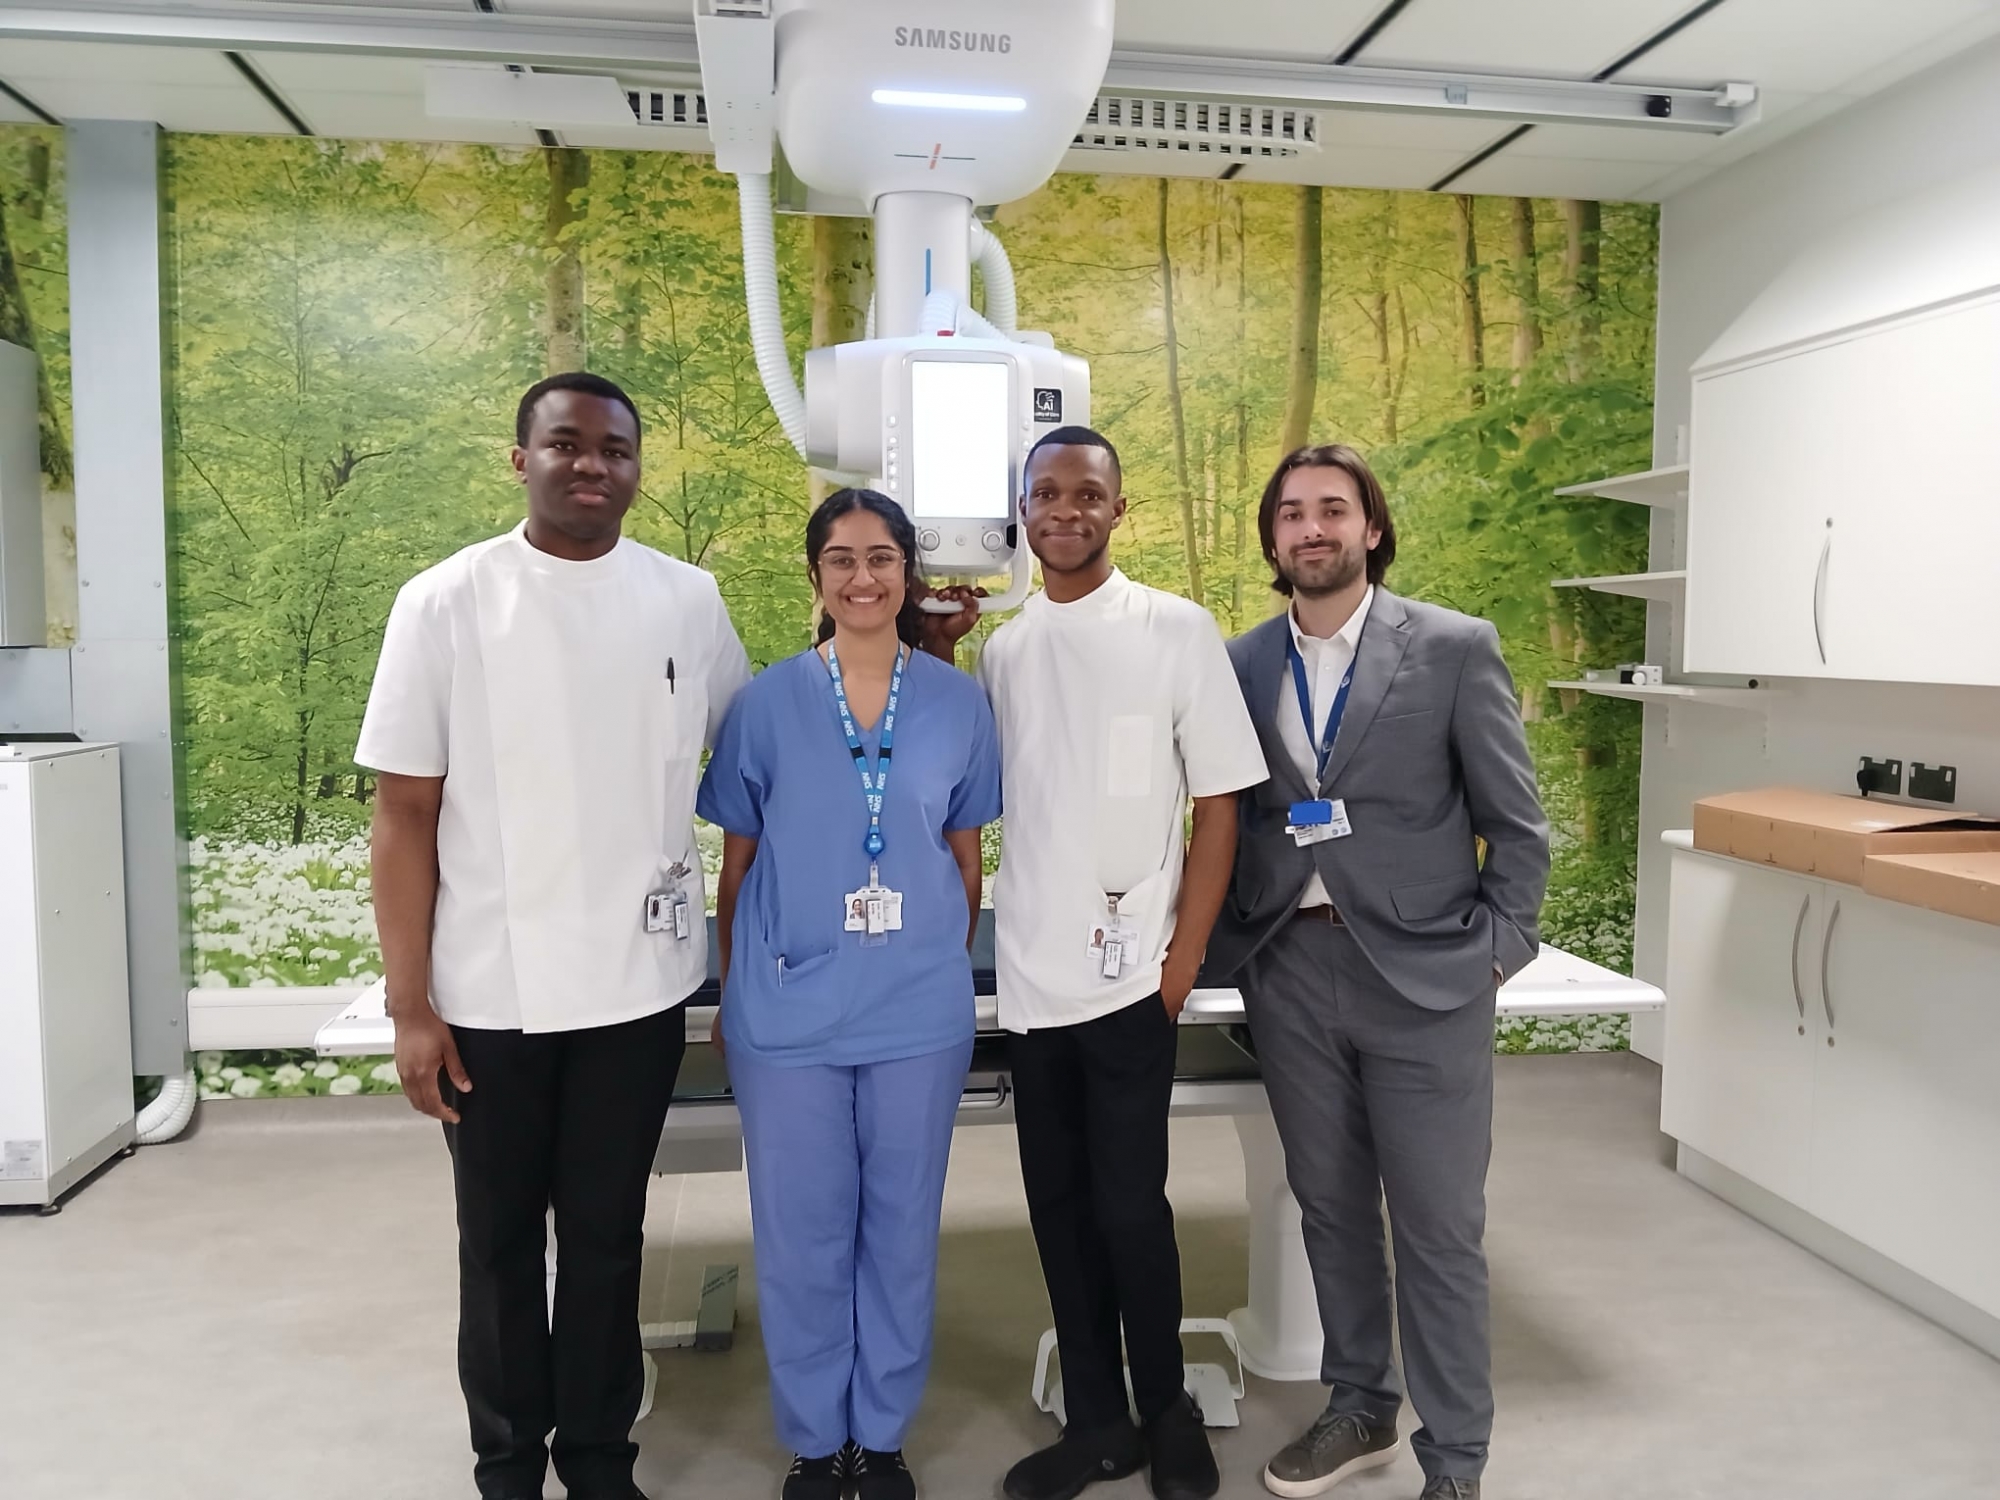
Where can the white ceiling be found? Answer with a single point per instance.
(1808, 58)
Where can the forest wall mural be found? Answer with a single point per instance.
(354, 322)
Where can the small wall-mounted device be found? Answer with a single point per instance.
(1879, 778)
(1933, 783)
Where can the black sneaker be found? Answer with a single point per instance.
(1450, 1489)
(1336, 1445)
(1078, 1460)
(881, 1476)
(816, 1478)
(1183, 1465)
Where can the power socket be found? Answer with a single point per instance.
(1933, 783)
(1883, 778)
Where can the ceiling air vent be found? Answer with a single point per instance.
(1201, 127)
(686, 111)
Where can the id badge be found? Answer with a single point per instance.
(874, 911)
(667, 911)
(1316, 822)
(1112, 945)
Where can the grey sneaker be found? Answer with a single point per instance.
(1450, 1489)
(1336, 1445)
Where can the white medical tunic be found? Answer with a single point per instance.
(1113, 710)
(566, 705)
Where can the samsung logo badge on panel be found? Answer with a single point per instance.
(932, 39)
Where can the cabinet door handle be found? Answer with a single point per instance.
(1798, 931)
(1825, 948)
(1819, 592)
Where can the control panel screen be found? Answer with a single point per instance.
(960, 411)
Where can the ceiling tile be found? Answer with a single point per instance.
(113, 63)
(344, 73)
(1371, 167)
(1805, 46)
(1553, 177)
(392, 117)
(1403, 132)
(191, 107)
(1304, 29)
(1613, 143)
(1550, 38)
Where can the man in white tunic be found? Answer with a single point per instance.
(537, 720)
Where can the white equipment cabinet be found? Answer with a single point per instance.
(1838, 1052)
(65, 1009)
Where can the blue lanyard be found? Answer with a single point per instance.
(875, 784)
(1324, 750)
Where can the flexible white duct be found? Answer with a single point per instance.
(998, 273)
(760, 294)
(942, 312)
(168, 1115)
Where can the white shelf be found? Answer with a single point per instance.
(1670, 586)
(1665, 488)
(1675, 692)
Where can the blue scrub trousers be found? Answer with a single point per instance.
(847, 1170)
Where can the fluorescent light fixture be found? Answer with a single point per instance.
(917, 99)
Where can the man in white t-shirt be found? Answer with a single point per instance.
(537, 720)
(1116, 704)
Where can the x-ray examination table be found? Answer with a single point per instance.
(1275, 1335)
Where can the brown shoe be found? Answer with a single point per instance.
(1336, 1445)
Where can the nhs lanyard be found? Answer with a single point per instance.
(1323, 747)
(875, 784)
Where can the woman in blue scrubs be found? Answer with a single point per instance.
(850, 782)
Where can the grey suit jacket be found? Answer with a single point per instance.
(1431, 753)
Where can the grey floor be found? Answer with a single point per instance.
(265, 1308)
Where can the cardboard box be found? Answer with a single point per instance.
(1959, 885)
(1818, 833)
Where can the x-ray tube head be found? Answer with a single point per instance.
(961, 422)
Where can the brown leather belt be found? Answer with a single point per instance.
(1321, 913)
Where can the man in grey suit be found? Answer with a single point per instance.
(1371, 938)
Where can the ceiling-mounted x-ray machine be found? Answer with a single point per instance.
(939, 405)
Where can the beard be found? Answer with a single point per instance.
(1324, 575)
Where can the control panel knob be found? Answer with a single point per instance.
(993, 541)
(928, 539)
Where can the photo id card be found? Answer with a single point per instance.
(874, 911)
(1112, 945)
(667, 911)
(1316, 822)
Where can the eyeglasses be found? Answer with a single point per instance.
(880, 561)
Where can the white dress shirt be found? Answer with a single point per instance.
(1327, 659)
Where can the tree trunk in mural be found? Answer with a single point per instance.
(17, 326)
(1471, 321)
(1527, 289)
(1309, 277)
(843, 270)
(569, 173)
(1585, 223)
(1242, 410)
(1388, 381)
(1175, 407)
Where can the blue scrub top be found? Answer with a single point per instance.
(801, 989)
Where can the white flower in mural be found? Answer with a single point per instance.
(326, 1068)
(288, 1075)
(345, 1084)
(212, 1085)
(385, 1073)
(246, 1088)
(208, 1062)
(231, 1075)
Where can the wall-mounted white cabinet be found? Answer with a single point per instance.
(1840, 1052)
(1843, 511)
(1844, 508)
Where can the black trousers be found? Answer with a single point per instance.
(568, 1120)
(1090, 1108)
